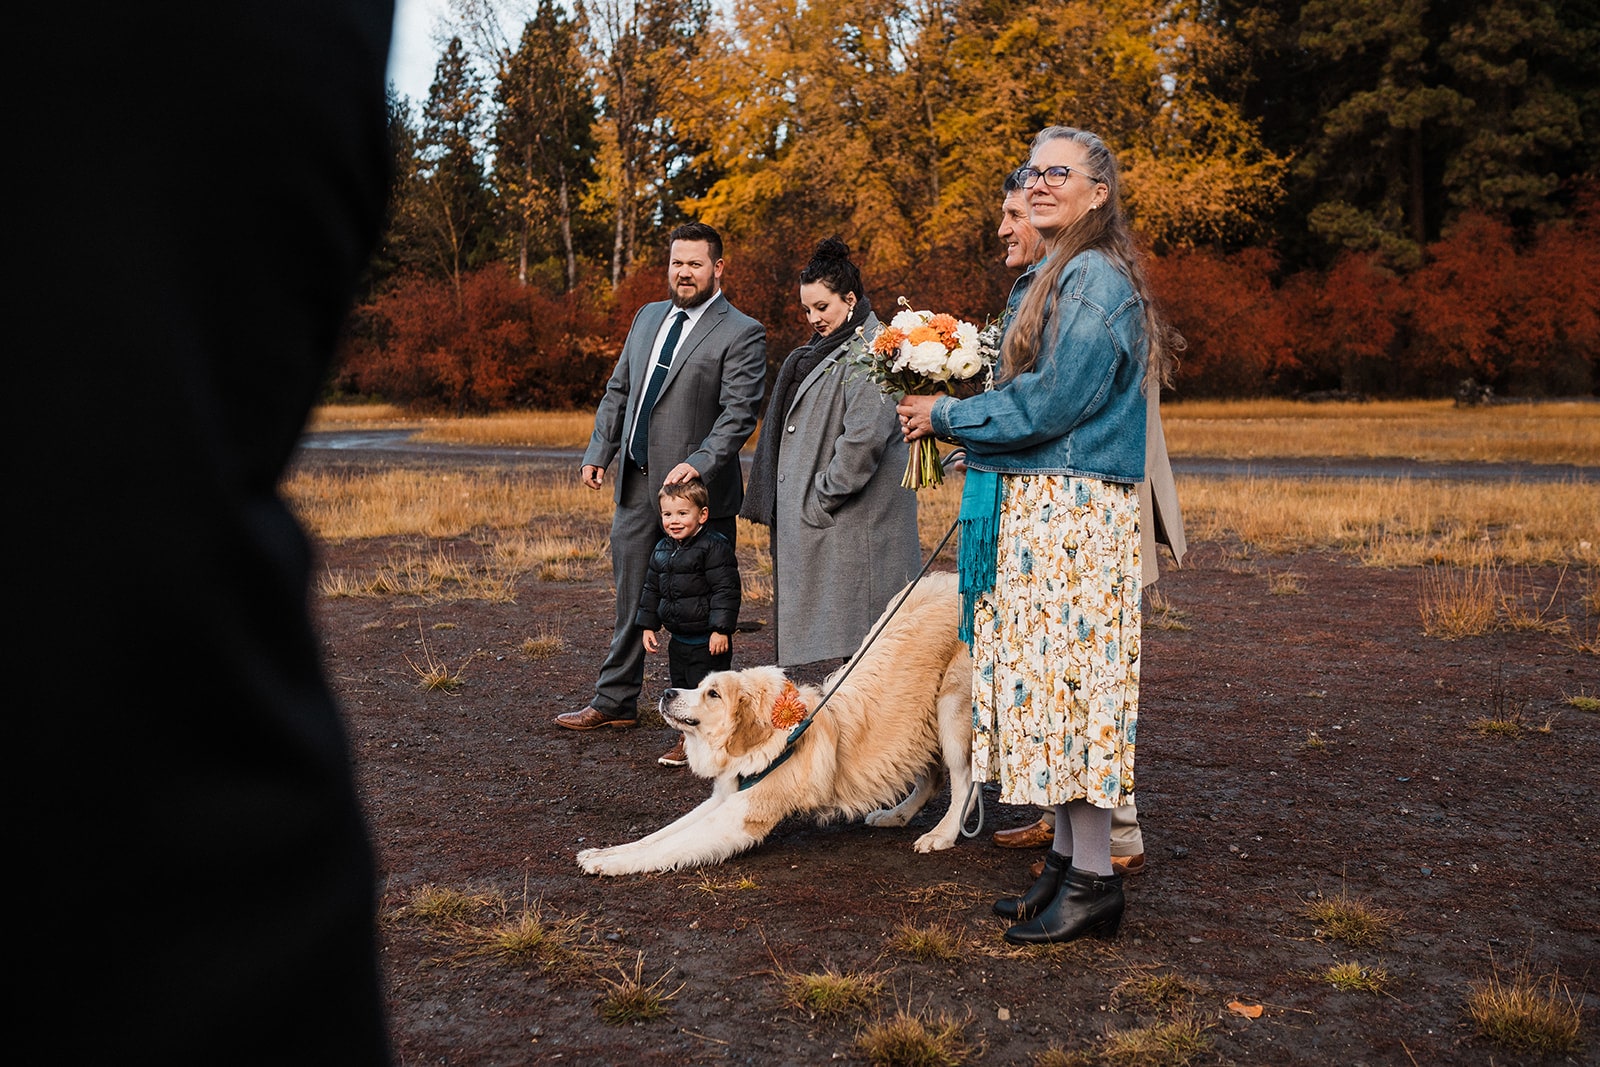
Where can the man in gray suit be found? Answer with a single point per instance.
(680, 404)
(1160, 521)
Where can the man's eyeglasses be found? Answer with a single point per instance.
(1054, 177)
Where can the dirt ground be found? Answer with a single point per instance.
(1292, 745)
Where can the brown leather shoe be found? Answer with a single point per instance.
(1123, 865)
(591, 719)
(1126, 865)
(1034, 835)
(674, 756)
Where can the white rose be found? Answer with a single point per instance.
(928, 360)
(965, 362)
(966, 336)
(906, 321)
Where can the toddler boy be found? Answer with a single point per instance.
(692, 589)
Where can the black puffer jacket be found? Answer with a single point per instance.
(692, 587)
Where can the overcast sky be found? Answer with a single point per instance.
(413, 53)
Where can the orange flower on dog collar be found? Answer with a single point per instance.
(788, 709)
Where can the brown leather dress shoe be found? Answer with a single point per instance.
(1034, 835)
(591, 719)
(1123, 865)
(674, 756)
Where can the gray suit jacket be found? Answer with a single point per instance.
(1160, 519)
(707, 407)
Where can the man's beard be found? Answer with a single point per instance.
(695, 299)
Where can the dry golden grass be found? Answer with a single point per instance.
(365, 416)
(908, 1040)
(528, 938)
(1435, 430)
(1356, 922)
(1352, 977)
(444, 908)
(1285, 583)
(543, 645)
(1160, 992)
(432, 578)
(1400, 523)
(631, 1000)
(397, 502)
(1562, 432)
(1177, 1043)
(1457, 603)
(830, 993)
(433, 674)
(738, 884)
(544, 522)
(1527, 1014)
(937, 941)
(516, 429)
(1160, 613)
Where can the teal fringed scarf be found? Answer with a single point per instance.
(980, 523)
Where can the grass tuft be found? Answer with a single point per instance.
(1313, 743)
(1352, 920)
(1457, 603)
(1352, 977)
(1286, 583)
(528, 938)
(444, 908)
(1171, 1044)
(928, 943)
(708, 884)
(830, 993)
(543, 645)
(1163, 616)
(913, 1041)
(434, 675)
(630, 1000)
(1584, 703)
(1154, 993)
(1526, 1014)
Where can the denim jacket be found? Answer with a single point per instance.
(1080, 410)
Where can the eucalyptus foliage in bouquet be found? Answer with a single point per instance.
(919, 353)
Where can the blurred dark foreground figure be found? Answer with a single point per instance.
(201, 185)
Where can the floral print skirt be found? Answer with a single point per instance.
(1055, 686)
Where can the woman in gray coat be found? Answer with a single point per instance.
(826, 477)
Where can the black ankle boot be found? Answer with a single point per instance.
(1087, 904)
(1042, 893)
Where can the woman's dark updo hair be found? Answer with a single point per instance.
(830, 264)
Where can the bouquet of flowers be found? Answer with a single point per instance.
(917, 354)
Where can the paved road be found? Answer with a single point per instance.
(357, 446)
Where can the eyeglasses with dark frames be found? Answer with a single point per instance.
(1054, 177)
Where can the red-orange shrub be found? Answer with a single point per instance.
(1231, 318)
(500, 345)
(1344, 325)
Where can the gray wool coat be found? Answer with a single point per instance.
(846, 530)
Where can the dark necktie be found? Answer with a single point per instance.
(640, 448)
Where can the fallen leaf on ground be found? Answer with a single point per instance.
(1249, 1011)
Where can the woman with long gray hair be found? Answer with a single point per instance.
(1050, 531)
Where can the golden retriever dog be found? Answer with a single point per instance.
(900, 718)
